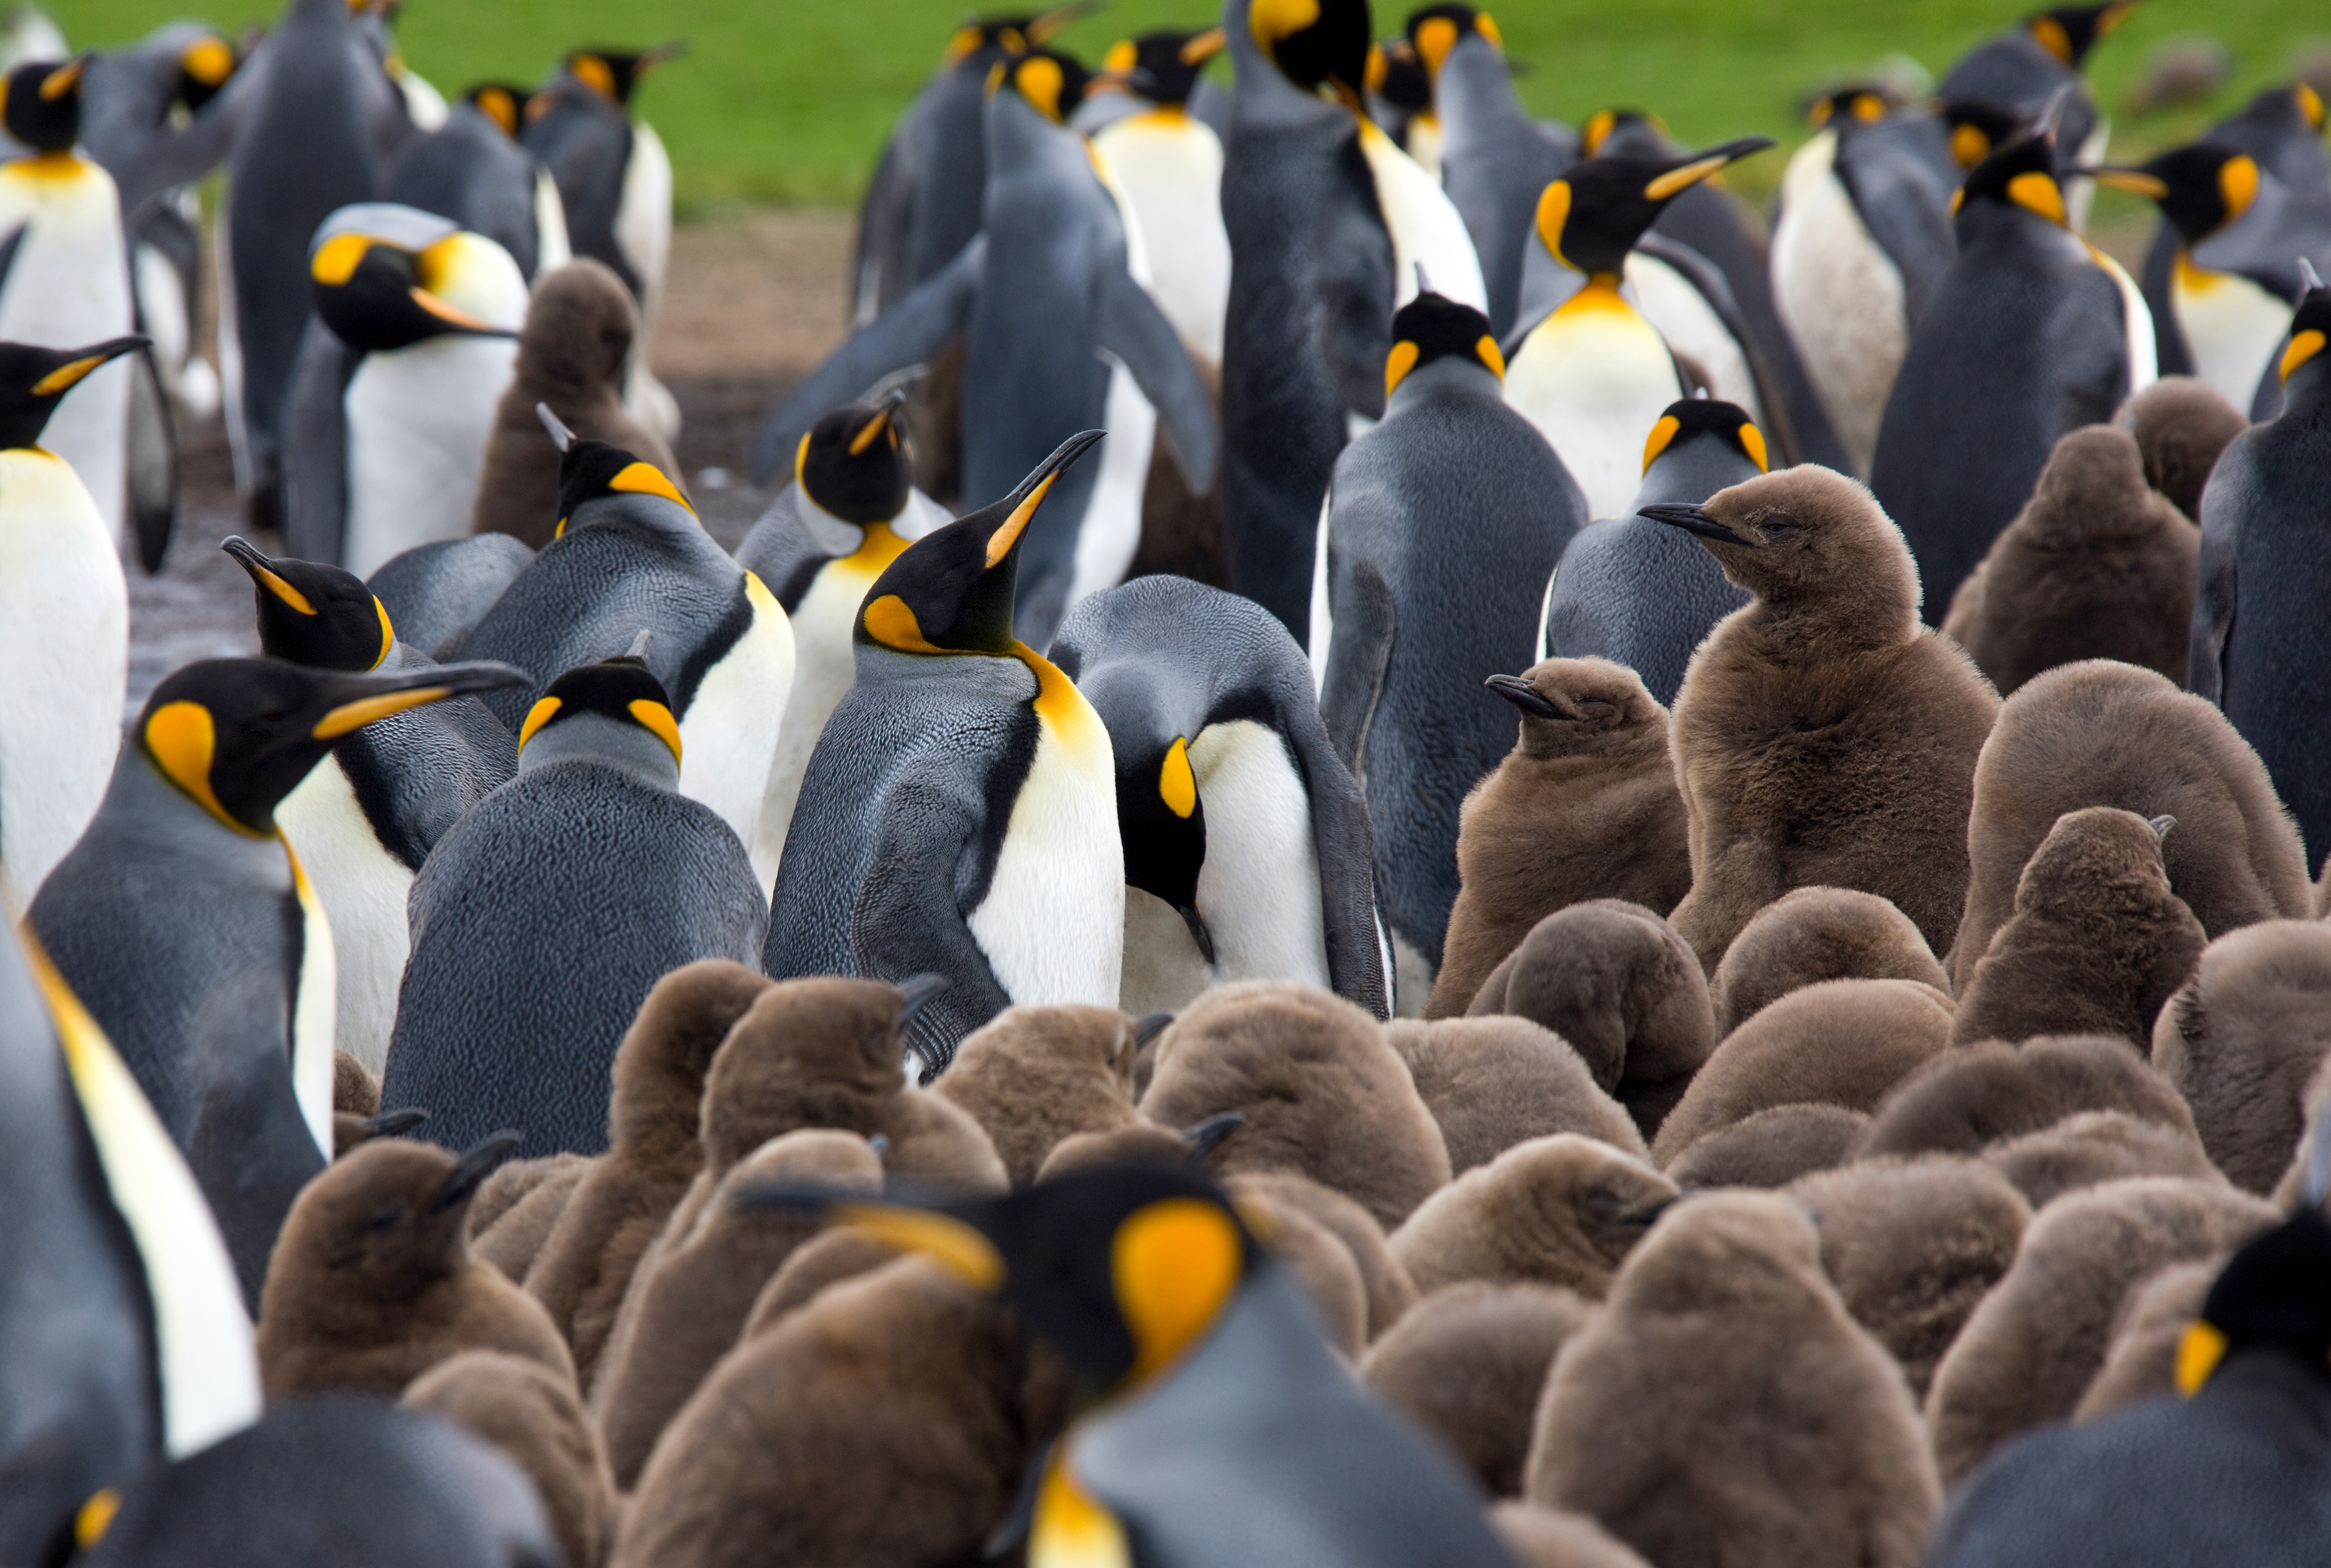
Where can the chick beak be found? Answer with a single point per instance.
(476, 1163)
(1692, 520)
(1524, 695)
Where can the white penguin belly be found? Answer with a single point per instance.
(1681, 314)
(823, 668)
(552, 245)
(64, 649)
(2144, 346)
(417, 422)
(1052, 923)
(1595, 377)
(162, 312)
(728, 736)
(363, 889)
(2233, 329)
(315, 1005)
(1322, 614)
(1840, 298)
(1424, 226)
(1424, 144)
(1110, 534)
(1170, 164)
(68, 285)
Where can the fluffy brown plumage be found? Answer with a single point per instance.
(1135, 1143)
(510, 1220)
(1584, 807)
(1384, 1283)
(1812, 934)
(1982, 1094)
(1494, 1082)
(1771, 1148)
(1032, 1076)
(2141, 1358)
(826, 1258)
(1318, 1261)
(2181, 425)
(1822, 737)
(532, 1414)
(2243, 1037)
(1541, 1537)
(2093, 1148)
(2317, 1102)
(1557, 1210)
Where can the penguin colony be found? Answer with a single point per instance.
(1691, 932)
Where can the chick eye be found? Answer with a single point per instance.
(1778, 526)
(383, 1220)
(1594, 708)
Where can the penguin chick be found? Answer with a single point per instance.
(2097, 944)
(1389, 1291)
(572, 357)
(1822, 736)
(1467, 1364)
(533, 1416)
(2241, 1038)
(883, 1422)
(694, 1291)
(372, 1282)
(1792, 1440)
(621, 1203)
(2181, 424)
(1491, 1083)
(2317, 1102)
(1318, 1261)
(2096, 565)
(1321, 1091)
(1138, 1143)
(1813, 935)
(355, 1092)
(2140, 1361)
(828, 1258)
(1561, 1210)
(1541, 1537)
(2101, 734)
(1584, 807)
(1032, 1076)
(2031, 1348)
(1981, 1094)
(1771, 1148)
(2094, 1147)
(1843, 1043)
(509, 1221)
(351, 1132)
(1912, 1246)
(1625, 990)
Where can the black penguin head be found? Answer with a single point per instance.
(1430, 327)
(1051, 83)
(1397, 77)
(2069, 32)
(379, 273)
(1616, 130)
(951, 590)
(43, 104)
(1013, 34)
(503, 102)
(615, 73)
(855, 462)
(33, 381)
(1976, 126)
(1592, 216)
(591, 470)
(1161, 67)
(2021, 175)
(204, 67)
(314, 614)
(238, 735)
(1317, 44)
(620, 690)
(2199, 188)
(2274, 1290)
(2310, 327)
(1435, 29)
(387, 1221)
(1163, 824)
(1856, 104)
(1692, 417)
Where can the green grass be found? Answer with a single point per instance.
(788, 101)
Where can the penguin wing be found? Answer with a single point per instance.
(1705, 276)
(8, 251)
(152, 452)
(908, 918)
(907, 334)
(2088, 348)
(1346, 845)
(316, 446)
(1127, 323)
(1355, 284)
(1359, 651)
(880, 263)
(1890, 174)
(2232, 490)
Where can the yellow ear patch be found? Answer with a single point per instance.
(181, 738)
(801, 458)
(2198, 1354)
(642, 479)
(2238, 184)
(208, 60)
(335, 262)
(1599, 127)
(96, 1517)
(1175, 1266)
(1751, 441)
(1000, 542)
(1435, 39)
(499, 107)
(1656, 441)
(1868, 107)
(964, 1251)
(354, 715)
(387, 631)
(2050, 37)
(1272, 20)
(1492, 356)
(2310, 106)
(1969, 146)
(594, 73)
(540, 713)
(2303, 346)
(1040, 82)
(655, 717)
(1552, 213)
(965, 41)
(2037, 192)
(65, 376)
(1178, 786)
(1398, 364)
(1684, 178)
(1071, 1529)
(890, 622)
(1487, 26)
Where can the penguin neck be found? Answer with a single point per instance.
(1450, 375)
(610, 743)
(1691, 472)
(1868, 616)
(141, 786)
(2307, 391)
(57, 164)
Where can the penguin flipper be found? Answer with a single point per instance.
(1903, 206)
(1344, 842)
(2230, 485)
(882, 219)
(1127, 323)
(907, 334)
(909, 919)
(1359, 654)
(153, 462)
(8, 251)
(1356, 287)
(315, 458)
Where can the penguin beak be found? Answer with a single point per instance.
(476, 1163)
(81, 361)
(1692, 520)
(366, 698)
(2161, 826)
(1202, 1138)
(1698, 167)
(1198, 932)
(263, 573)
(2135, 182)
(1022, 502)
(916, 994)
(1148, 1027)
(1524, 695)
(394, 1123)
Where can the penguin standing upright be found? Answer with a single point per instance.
(1442, 526)
(472, 170)
(2018, 72)
(1245, 837)
(2032, 333)
(66, 280)
(184, 921)
(1169, 164)
(366, 817)
(64, 626)
(414, 338)
(1592, 373)
(958, 816)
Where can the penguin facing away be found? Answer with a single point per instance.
(1169, 164)
(435, 593)
(473, 171)
(958, 814)
(2015, 75)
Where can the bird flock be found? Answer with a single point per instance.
(1405, 841)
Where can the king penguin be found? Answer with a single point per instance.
(472, 170)
(1636, 592)
(1442, 526)
(414, 338)
(1592, 373)
(959, 815)
(850, 511)
(1245, 838)
(184, 922)
(65, 273)
(2018, 72)
(2032, 332)
(629, 557)
(1169, 164)
(366, 816)
(64, 626)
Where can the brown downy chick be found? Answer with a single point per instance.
(2100, 734)
(1912, 1246)
(2029, 1351)
(653, 1153)
(1584, 807)
(2141, 1359)
(1822, 737)
(1813, 935)
(572, 354)
(1558, 1211)
(1032, 1076)
(693, 1291)
(2181, 425)
(1724, 1406)
(533, 1415)
(1467, 1365)
(2317, 1102)
(1321, 1092)
(2096, 566)
(828, 1258)
(355, 1092)
(1385, 1284)
(1491, 1083)
(2243, 1037)
(2092, 1148)
(510, 1221)
(1541, 1537)
(1616, 982)
(1982, 1094)
(1770, 1149)
(515, 1180)
(1142, 1142)
(1316, 1257)
(1843, 1043)
(372, 1283)
(2098, 941)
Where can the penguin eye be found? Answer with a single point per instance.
(383, 1220)
(1779, 526)
(1595, 707)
